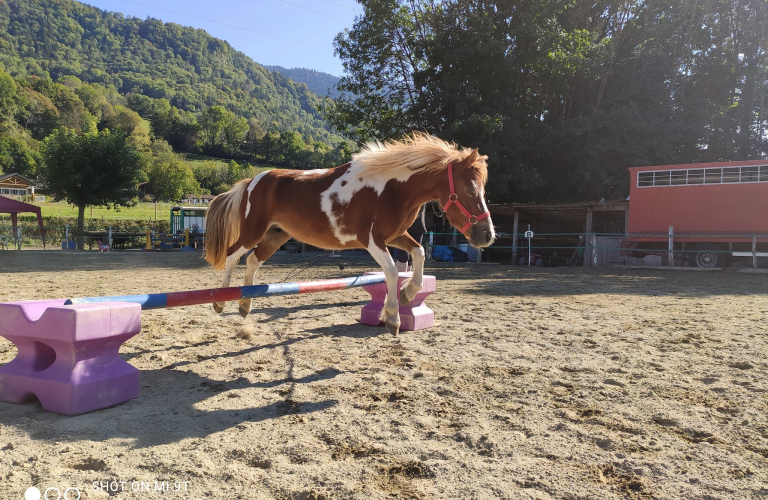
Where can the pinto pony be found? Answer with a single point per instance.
(368, 203)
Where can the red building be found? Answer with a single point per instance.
(717, 211)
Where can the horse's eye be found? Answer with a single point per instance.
(471, 192)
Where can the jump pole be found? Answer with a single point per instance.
(68, 348)
(194, 297)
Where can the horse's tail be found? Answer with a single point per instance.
(222, 224)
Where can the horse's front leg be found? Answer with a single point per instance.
(390, 314)
(229, 266)
(413, 285)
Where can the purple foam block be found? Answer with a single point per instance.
(413, 316)
(68, 354)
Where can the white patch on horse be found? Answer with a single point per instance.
(252, 185)
(481, 191)
(230, 264)
(342, 191)
(319, 171)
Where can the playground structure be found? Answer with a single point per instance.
(187, 218)
(68, 348)
(183, 242)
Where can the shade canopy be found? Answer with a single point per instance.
(13, 207)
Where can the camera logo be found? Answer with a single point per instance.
(33, 493)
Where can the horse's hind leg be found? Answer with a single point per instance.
(413, 285)
(390, 314)
(246, 241)
(229, 266)
(274, 239)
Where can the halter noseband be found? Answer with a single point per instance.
(453, 198)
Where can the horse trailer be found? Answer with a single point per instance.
(705, 213)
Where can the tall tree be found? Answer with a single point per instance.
(91, 169)
(381, 55)
(171, 177)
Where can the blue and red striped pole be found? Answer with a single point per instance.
(192, 297)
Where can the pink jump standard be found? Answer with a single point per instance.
(68, 354)
(414, 315)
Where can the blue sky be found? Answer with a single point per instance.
(284, 18)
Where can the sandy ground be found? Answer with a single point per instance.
(533, 383)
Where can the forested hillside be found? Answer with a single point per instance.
(168, 88)
(318, 82)
(186, 66)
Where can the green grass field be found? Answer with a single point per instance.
(142, 211)
(192, 158)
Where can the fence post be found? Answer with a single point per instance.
(109, 237)
(66, 234)
(671, 254)
(18, 237)
(514, 238)
(754, 251)
(594, 249)
(588, 240)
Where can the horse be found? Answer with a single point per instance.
(368, 203)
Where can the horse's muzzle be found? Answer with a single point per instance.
(481, 234)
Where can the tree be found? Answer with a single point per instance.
(19, 154)
(171, 177)
(381, 56)
(209, 175)
(234, 172)
(94, 97)
(38, 115)
(91, 169)
(8, 108)
(212, 122)
(292, 149)
(129, 122)
(221, 130)
(72, 111)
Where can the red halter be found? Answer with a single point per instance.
(454, 198)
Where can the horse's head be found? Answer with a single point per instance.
(464, 203)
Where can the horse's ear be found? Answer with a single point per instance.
(470, 160)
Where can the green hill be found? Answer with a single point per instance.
(184, 65)
(318, 82)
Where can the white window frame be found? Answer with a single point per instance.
(667, 176)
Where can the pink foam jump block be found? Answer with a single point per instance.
(413, 316)
(68, 354)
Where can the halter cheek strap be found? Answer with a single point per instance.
(453, 198)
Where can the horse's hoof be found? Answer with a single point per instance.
(404, 298)
(217, 307)
(392, 327)
(244, 312)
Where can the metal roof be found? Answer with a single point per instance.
(565, 212)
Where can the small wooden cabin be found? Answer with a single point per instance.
(16, 186)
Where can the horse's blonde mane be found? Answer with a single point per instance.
(418, 151)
